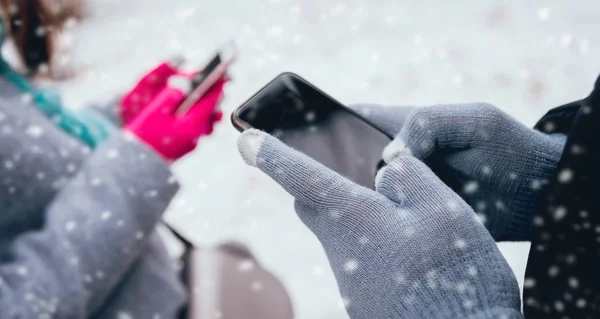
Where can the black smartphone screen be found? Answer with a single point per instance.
(313, 123)
(211, 66)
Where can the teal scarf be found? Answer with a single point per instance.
(85, 124)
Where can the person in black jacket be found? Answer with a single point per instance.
(525, 185)
(561, 279)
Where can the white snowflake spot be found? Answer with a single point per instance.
(345, 303)
(409, 231)
(71, 167)
(529, 283)
(536, 184)
(105, 215)
(583, 214)
(538, 221)
(317, 270)
(573, 282)
(553, 271)
(363, 240)
(580, 303)
(559, 213)
(40, 175)
(124, 315)
(310, 116)
(120, 223)
(570, 259)
(468, 304)
(565, 176)
(559, 306)
(257, 285)
(472, 271)
(246, 265)
(486, 170)
(73, 261)
(99, 274)
(500, 205)
(543, 13)
(350, 266)
(139, 235)
(471, 187)
(460, 244)
(95, 182)
(70, 226)
(34, 131)
(461, 287)
(172, 180)
(152, 193)
(513, 176)
(9, 165)
(112, 154)
(22, 271)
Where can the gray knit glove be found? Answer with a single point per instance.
(496, 164)
(411, 249)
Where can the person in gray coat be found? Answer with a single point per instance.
(77, 226)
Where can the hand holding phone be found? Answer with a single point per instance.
(308, 120)
(214, 71)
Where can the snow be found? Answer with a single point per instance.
(524, 56)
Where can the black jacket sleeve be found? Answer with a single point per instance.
(561, 279)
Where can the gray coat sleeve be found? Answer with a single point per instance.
(94, 230)
(109, 109)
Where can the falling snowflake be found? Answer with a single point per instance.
(468, 304)
(112, 154)
(351, 266)
(22, 271)
(69, 226)
(559, 306)
(105, 215)
(9, 165)
(317, 270)
(580, 303)
(471, 187)
(460, 244)
(529, 283)
(573, 282)
(71, 168)
(560, 213)
(536, 184)
(257, 286)
(245, 265)
(34, 131)
(139, 235)
(124, 315)
(543, 13)
(553, 271)
(99, 274)
(565, 176)
(363, 240)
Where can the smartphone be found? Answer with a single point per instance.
(310, 121)
(214, 70)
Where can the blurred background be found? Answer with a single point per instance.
(523, 56)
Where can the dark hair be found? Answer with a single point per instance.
(32, 26)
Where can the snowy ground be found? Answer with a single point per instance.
(524, 56)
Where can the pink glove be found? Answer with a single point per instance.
(146, 89)
(171, 135)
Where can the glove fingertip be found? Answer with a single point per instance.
(249, 145)
(394, 149)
